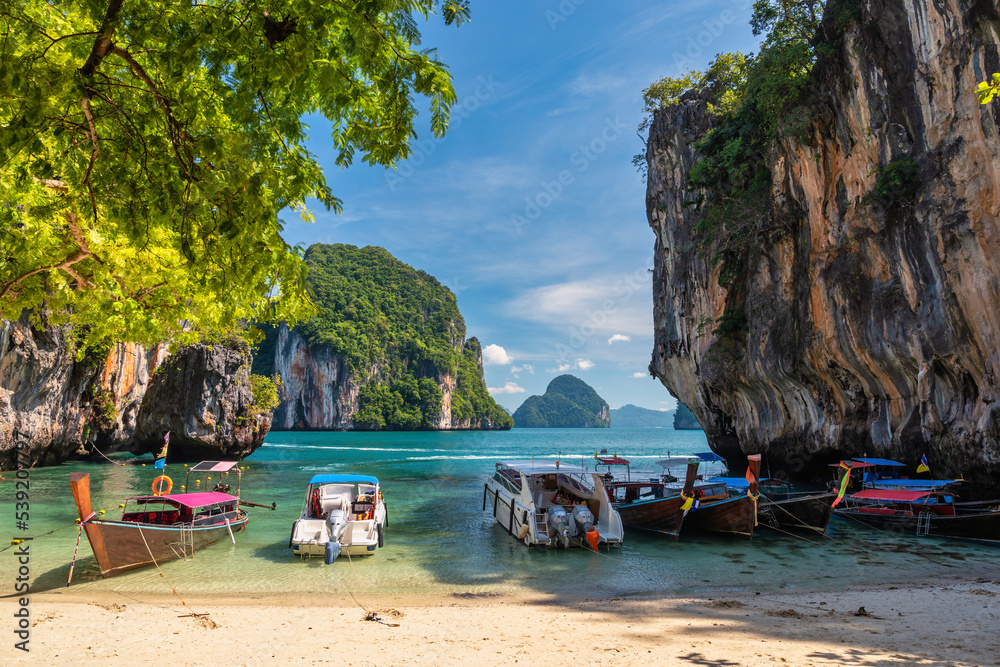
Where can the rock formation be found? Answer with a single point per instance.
(385, 331)
(873, 326)
(63, 408)
(568, 402)
(685, 420)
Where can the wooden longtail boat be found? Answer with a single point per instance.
(779, 508)
(923, 513)
(717, 511)
(643, 505)
(159, 528)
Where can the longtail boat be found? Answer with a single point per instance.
(781, 508)
(651, 505)
(923, 513)
(159, 528)
(713, 509)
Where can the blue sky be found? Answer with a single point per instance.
(529, 209)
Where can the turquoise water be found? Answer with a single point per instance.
(440, 541)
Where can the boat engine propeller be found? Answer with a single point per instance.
(583, 518)
(559, 523)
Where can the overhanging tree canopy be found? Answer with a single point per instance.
(146, 149)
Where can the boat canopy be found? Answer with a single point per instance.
(611, 460)
(529, 467)
(343, 479)
(878, 462)
(213, 466)
(918, 483)
(736, 482)
(852, 464)
(676, 461)
(709, 456)
(200, 499)
(891, 495)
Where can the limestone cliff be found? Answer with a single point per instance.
(63, 408)
(872, 326)
(387, 351)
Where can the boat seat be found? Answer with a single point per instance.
(337, 502)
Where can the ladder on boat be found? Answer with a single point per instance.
(185, 548)
(542, 528)
(923, 523)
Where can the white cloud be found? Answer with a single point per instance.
(494, 355)
(619, 337)
(508, 388)
(640, 374)
(578, 365)
(608, 306)
(525, 368)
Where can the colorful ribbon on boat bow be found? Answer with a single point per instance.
(77, 549)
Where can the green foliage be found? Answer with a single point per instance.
(568, 402)
(266, 392)
(399, 330)
(896, 182)
(146, 150)
(376, 311)
(104, 410)
(988, 89)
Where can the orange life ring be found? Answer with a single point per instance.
(156, 483)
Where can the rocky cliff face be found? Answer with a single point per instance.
(64, 408)
(320, 393)
(873, 325)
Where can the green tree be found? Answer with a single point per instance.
(146, 149)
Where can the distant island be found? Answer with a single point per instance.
(632, 416)
(568, 402)
(684, 419)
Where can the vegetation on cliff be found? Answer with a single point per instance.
(568, 402)
(756, 99)
(400, 332)
(146, 151)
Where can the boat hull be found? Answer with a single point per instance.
(732, 516)
(983, 526)
(130, 545)
(806, 513)
(661, 515)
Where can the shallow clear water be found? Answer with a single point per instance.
(439, 540)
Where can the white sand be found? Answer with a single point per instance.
(950, 624)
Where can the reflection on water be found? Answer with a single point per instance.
(439, 540)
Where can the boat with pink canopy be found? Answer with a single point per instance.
(163, 526)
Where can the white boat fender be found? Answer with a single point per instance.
(521, 534)
(332, 551)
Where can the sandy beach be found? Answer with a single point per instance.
(948, 624)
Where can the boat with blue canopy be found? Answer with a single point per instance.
(342, 514)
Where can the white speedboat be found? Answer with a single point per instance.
(552, 504)
(342, 514)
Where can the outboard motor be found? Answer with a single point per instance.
(583, 518)
(336, 522)
(559, 524)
